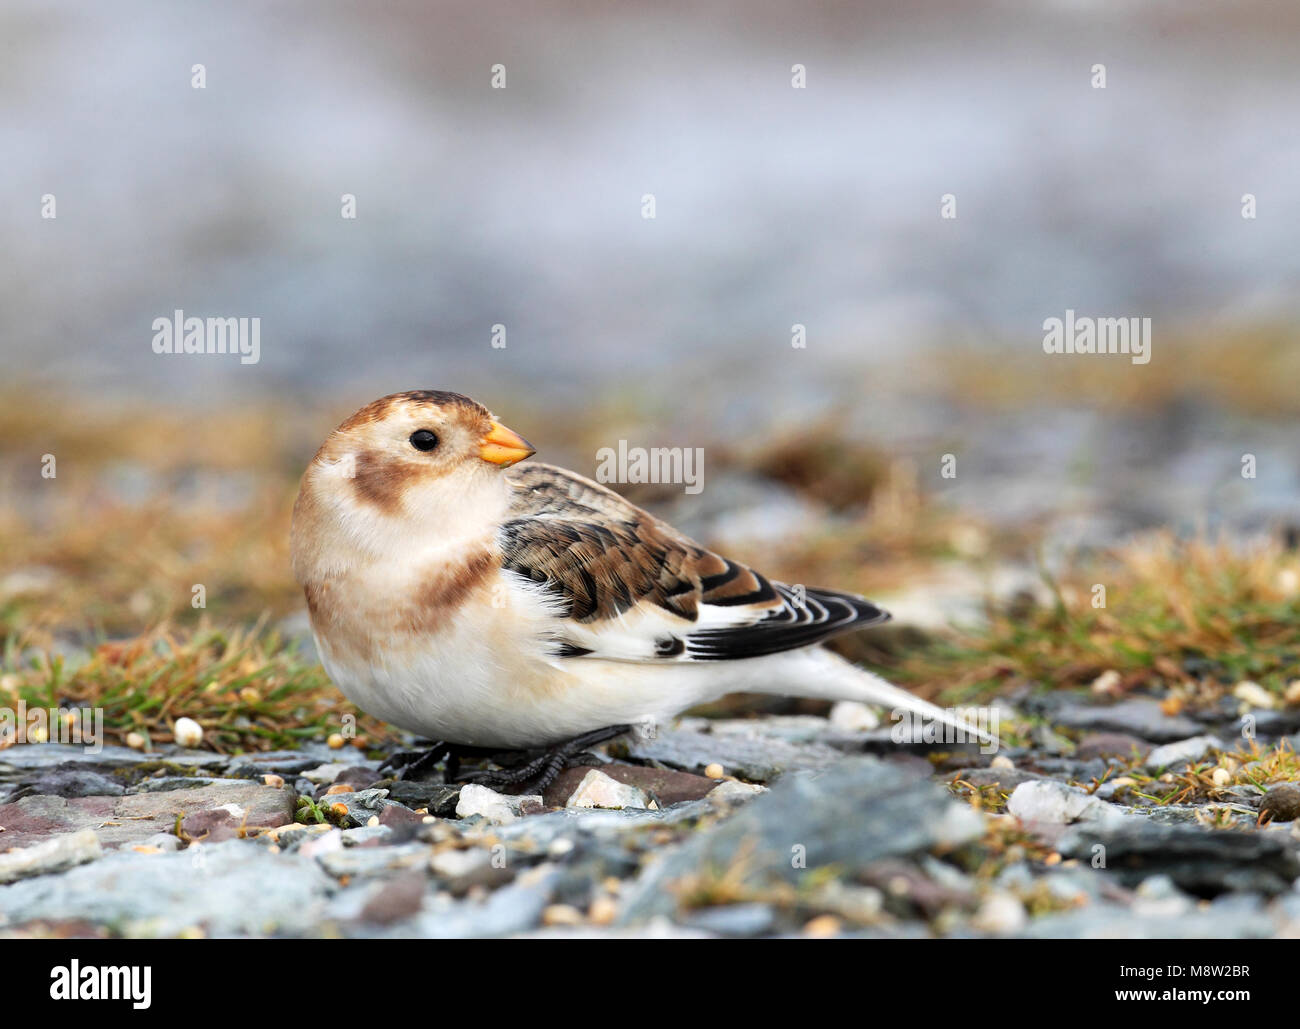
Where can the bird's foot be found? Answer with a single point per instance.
(411, 764)
(540, 771)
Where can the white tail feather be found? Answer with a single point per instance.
(816, 672)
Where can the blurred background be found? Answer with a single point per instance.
(523, 207)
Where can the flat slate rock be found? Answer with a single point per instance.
(232, 888)
(1201, 861)
(132, 818)
(48, 755)
(1137, 717)
(851, 816)
(758, 757)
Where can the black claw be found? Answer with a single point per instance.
(409, 764)
(539, 772)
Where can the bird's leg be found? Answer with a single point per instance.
(408, 764)
(539, 772)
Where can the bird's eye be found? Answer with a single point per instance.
(423, 439)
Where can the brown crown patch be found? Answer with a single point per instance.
(378, 410)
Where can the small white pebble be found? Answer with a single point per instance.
(135, 741)
(1221, 777)
(852, 716)
(1108, 682)
(1292, 693)
(1000, 913)
(1003, 762)
(188, 733)
(372, 821)
(1254, 694)
(714, 771)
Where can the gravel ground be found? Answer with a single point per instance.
(766, 826)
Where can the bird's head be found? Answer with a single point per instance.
(422, 461)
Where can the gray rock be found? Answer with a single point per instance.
(849, 817)
(755, 756)
(54, 855)
(1006, 778)
(49, 755)
(733, 919)
(323, 775)
(361, 806)
(1227, 918)
(68, 780)
(439, 798)
(598, 790)
(1202, 861)
(499, 808)
(231, 888)
(1181, 753)
(1138, 717)
(372, 862)
(514, 908)
(180, 782)
(1046, 807)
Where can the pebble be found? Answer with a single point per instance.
(1281, 803)
(603, 910)
(732, 791)
(1222, 777)
(495, 807)
(561, 914)
(1292, 694)
(1000, 912)
(852, 716)
(1003, 762)
(335, 741)
(1107, 684)
(1158, 897)
(1044, 805)
(323, 774)
(599, 790)
(188, 733)
(823, 926)
(1254, 694)
(714, 771)
(135, 741)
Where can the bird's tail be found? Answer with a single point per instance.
(830, 677)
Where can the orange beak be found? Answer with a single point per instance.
(504, 447)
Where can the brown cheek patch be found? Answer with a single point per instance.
(380, 481)
(445, 589)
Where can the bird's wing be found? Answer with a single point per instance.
(630, 587)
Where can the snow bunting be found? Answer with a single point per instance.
(471, 602)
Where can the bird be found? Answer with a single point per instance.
(483, 605)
